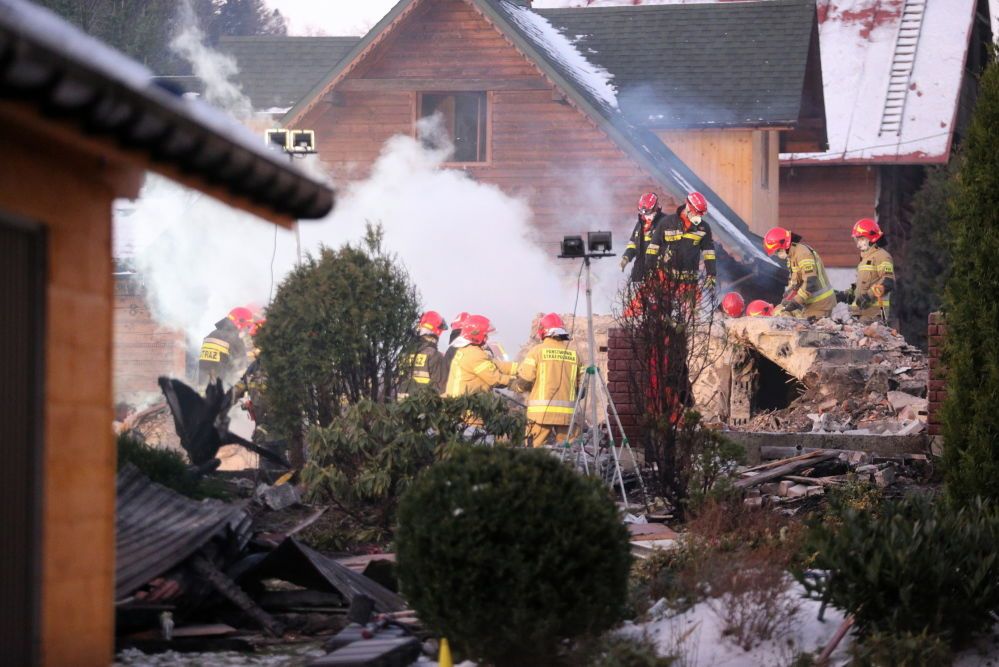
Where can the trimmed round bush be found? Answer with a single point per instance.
(508, 552)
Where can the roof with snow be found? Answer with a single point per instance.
(701, 65)
(276, 72)
(591, 89)
(893, 72)
(61, 72)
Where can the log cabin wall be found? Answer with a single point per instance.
(538, 146)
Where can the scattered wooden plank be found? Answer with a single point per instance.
(788, 468)
(779, 462)
(835, 480)
(308, 521)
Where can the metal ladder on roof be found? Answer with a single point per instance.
(902, 63)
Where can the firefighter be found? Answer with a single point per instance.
(869, 297)
(551, 371)
(223, 353)
(640, 246)
(733, 304)
(759, 308)
(473, 367)
(808, 293)
(425, 367)
(683, 240)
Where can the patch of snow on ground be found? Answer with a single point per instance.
(595, 79)
(697, 635)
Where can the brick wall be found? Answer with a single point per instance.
(620, 366)
(936, 392)
(143, 349)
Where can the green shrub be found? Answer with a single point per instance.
(969, 415)
(166, 467)
(614, 650)
(712, 459)
(508, 552)
(917, 566)
(904, 650)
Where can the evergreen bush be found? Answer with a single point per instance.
(917, 566)
(508, 552)
(166, 467)
(366, 459)
(969, 415)
(904, 650)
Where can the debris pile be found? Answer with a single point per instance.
(853, 378)
(798, 482)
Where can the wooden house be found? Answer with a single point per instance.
(80, 125)
(663, 98)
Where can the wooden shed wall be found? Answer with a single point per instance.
(822, 203)
(539, 146)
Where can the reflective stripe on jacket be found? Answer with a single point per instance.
(809, 284)
(552, 369)
(425, 368)
(876, 268)
(473, 369)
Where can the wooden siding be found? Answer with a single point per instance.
(540, 147)
(723, 159)
(822, 203)
(77, 566)
(766, 181)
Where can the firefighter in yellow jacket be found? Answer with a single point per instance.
(808, 292)
(869, 297)
(473, 367)
(551, 370)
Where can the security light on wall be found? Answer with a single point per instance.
(277, 139)
(296, 142)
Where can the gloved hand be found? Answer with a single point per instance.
(878, 290)
(791, 306)
(624, 262)
(865, 301)
(711, 282)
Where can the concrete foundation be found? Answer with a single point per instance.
(882, 445)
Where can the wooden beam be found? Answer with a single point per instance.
(457, 85)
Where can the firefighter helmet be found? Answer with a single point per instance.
(776, 239)
(759, 308)
(431, 323)
(257, 323)
(733, 304)
(648, 203)
(867, 228)
(551, 325)
(458, 320)
(476, 329)
(242, 317)
(697, 203)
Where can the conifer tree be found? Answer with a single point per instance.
(971, 353)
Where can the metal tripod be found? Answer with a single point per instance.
(587, 402)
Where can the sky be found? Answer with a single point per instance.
(355, 17)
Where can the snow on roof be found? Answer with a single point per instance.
(595, 79)
(857, 40)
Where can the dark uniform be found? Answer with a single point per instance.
(640, 248)
(680, 249)
(425, 368)
(223, 354)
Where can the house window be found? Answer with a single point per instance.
(463, 119)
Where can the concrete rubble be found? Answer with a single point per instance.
(787, 375)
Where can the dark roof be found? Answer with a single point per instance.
(276, 72)
(65, 74)
(694, 65)
(156, 528)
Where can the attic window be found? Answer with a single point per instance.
(464, 120)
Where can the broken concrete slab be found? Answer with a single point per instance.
(798, 491)
(884, 445)
(783, 487)
(899, 400)
(279, 496)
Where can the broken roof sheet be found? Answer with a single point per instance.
(858, 39)
(157, 528)
(704, 65)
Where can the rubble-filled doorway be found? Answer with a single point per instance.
(776, 388)
(22, 311)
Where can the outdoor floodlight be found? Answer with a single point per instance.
(598, 242)
(302, 141)
(277, 139)
(572, 246)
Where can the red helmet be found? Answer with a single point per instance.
(697, 202)
(476, 329)
(257, 323)
(459, 320)
(549, 322)
(431, 323)
(733, 304)
(868, 229)
(759, 308)
(648, 203)
(776, 239)
(241, 317)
